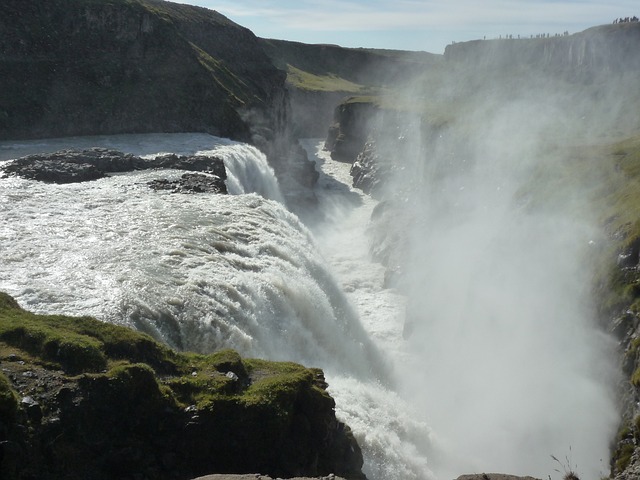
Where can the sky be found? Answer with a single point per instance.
(426, 25)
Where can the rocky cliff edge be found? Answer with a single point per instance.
(84, 399)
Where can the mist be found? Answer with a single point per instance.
(506, 360)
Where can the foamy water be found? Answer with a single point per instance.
(203, 272)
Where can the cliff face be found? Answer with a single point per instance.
(79, 67)
(321, 76)
(598, 50)
(373, 67)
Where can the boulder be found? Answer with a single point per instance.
(71, 166)
(191, 183)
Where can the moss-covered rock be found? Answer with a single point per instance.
(84, 399)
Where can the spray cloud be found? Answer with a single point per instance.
(507, 361)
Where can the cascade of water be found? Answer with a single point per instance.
(196, 271)
(396, 440)
(204, 272)
(248, 171)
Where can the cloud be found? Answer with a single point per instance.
(388, 15)
(331, 21)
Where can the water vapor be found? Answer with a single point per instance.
(507, 362)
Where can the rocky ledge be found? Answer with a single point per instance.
(494, 476)
(257, 476)
(81, 398)
(71, 166)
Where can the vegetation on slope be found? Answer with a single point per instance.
(105, 399)
(371, 67)
(321, 83)
(82, 67)
(619, 281)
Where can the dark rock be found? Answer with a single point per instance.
(71, 166)
(196, 163)
(128, 66)
(54, 171)
(68, 166)
(493, 476)
(33, 409)
(630, 257)
(369, 172)
(353, 121)
(191, 183)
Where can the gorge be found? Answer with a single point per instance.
(474, 310)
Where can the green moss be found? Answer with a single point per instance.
(623, 457)
(618, 207)
(277, 383)
(8, 398)
(321, 83)
(46, 340)
(203, 378)
(7, 302)
(132, 367)
(229, 82)
(80, 344)
(226, 361)
(200, 389)
(137, 383)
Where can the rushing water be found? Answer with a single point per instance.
(202, 272)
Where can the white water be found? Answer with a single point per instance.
(199, 271)
(504, 365)
(394, 435)
(208, 271)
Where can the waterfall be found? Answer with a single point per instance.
(248, 171)
(198, 272)
(502, 367)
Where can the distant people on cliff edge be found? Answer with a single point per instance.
(626, 19)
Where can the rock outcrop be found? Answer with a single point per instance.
(84, 399)
(72, 166)
(81, 67)
(493, 476)
(596, 51)
(191, 183)
(321, 76)
(353, 122)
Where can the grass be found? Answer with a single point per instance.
(8, 398)
(321, 83)
(229, 82)
(135, 365)
(79, 344)
(568, 472)
(620, 204)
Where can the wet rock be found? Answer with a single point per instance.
(493, 476)
(348, 134)
(191, 183)
(72, 166)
